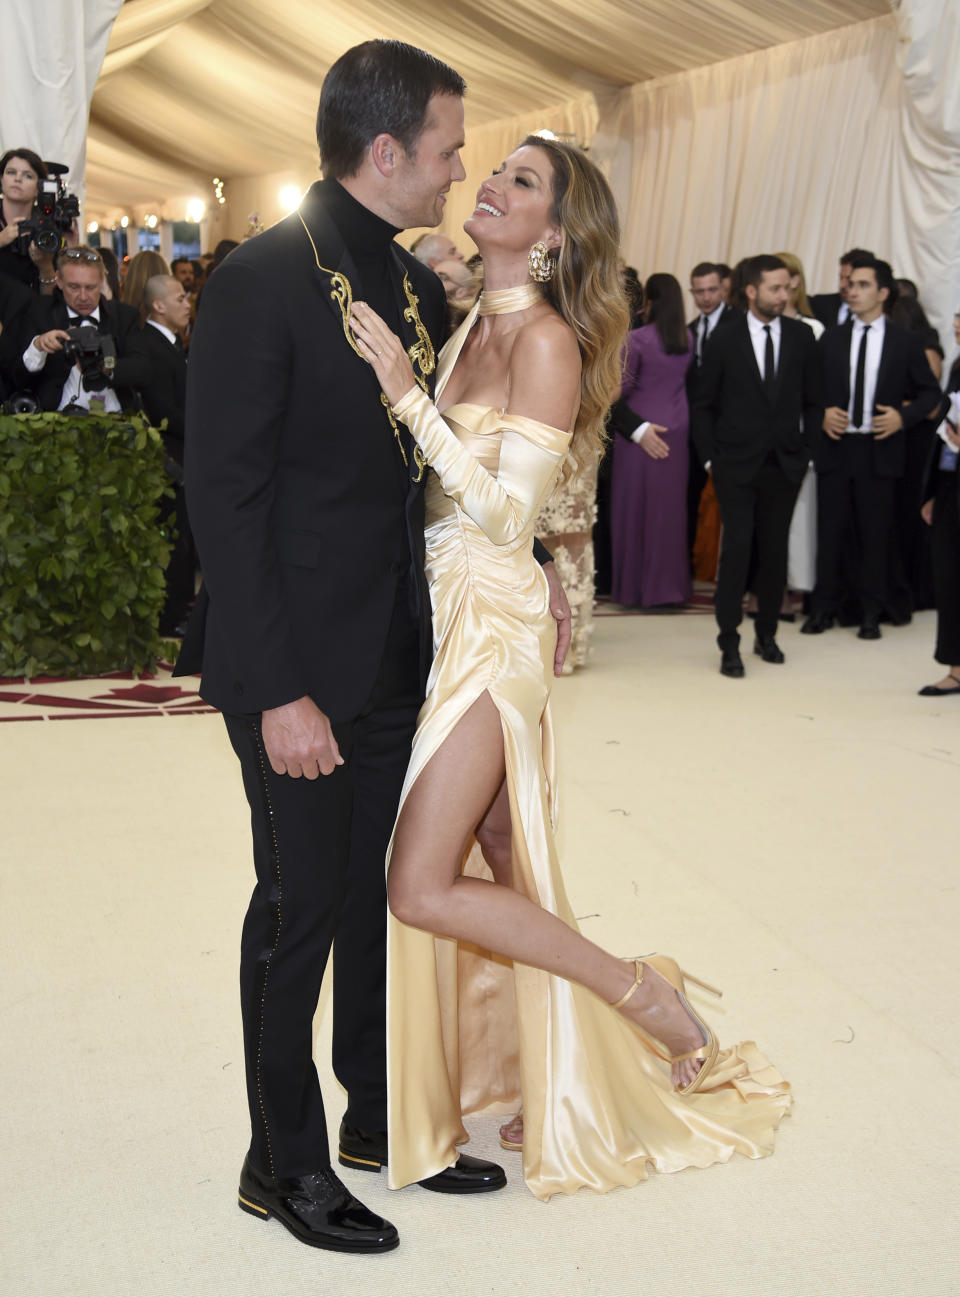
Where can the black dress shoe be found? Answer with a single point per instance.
(817, 623)
(869, 629)
(367, 1151)
(934, 691)
(317, 1208)
(731, 664)
(766, 647)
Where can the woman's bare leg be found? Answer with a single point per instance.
(451, 797)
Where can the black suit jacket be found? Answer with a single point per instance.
(304, 513)
(118, 320)
(932, 468)
(164, 388)
(735, 423)
(904, 381)
(826, 307)
(16, 304)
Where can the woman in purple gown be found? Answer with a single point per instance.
(649, 478)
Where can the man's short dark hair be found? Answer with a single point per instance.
(853, 255)
(181, 261)
(884, 274)
(757, 267)
(379, 87)
(705, 268)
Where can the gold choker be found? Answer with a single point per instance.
(502, 301)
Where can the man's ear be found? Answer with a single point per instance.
(383, 151)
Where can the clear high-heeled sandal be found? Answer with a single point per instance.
(671, 973)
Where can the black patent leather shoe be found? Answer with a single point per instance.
(766, 647)
(367, 1151)
(318, 1209)
(869, 629)
(817, 623)
(731, 664)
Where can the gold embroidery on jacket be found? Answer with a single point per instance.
(421, 353)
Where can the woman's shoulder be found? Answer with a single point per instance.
(547, 339)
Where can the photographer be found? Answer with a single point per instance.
(97, 369)
(21, 172)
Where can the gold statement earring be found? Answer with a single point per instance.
(540, 263)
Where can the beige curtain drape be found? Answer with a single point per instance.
(50, 57)
(850, 137)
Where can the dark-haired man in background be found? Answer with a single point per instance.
(313, 625)
(758, 395)
(706, 289)
(877, 382)
(833, 308)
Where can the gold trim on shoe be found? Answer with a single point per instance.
(254, 1206)
(364, 1161)
(671, 973)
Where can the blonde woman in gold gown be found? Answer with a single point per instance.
(493, 995)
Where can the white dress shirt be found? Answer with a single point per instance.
(169, 334)
(758, 337)
(74, 393)
(871, 370)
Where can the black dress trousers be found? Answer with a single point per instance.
(319, 855)
(855, 496)
(761, 509)
(945, 553)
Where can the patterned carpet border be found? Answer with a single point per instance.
(54, 698)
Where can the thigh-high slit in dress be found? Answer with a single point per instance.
(469, 1031)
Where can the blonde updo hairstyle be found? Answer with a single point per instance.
(586, 288)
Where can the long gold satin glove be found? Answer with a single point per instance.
(531, 454)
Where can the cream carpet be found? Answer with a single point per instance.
(791, 836)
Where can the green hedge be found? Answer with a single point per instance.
(83, 543)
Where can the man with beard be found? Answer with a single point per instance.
(758, 396)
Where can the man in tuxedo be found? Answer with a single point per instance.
(312, 628)
(877, 383)
(79, 302)
(706, 288)
(164, 393)
(759, 390)
(833, 308)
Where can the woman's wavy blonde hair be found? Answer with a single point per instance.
(795, 266)
(586, 288)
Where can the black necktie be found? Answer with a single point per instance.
(703, 335)
(769, 364)
(858, 385)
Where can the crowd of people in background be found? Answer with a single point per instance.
(796, 451)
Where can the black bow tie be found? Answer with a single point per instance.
(77, 321)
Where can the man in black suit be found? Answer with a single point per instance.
(833, 308)
(759, 390)
(79, 302)
(313, 624)
(706, 289)
(164, 393)
(877, 382)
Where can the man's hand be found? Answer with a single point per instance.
(560, 610)
(51, 341)
(886, 424)
(835, 422)
(926, 512)
(299, 740)
(653, 443)
(953, 436)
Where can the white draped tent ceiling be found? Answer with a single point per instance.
(726, 127)
(192, 89)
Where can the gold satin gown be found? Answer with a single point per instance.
(471, 1032)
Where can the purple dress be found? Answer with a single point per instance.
(648, 497)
